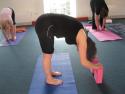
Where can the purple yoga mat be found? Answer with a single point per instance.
(60, 62)
(103, 35)
(3, 41)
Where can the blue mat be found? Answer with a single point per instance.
(3, 41)
(60, 62)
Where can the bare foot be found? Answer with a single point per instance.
(56, 73)
(103, 29)
(14, 38)
(7, 40)
(54, 82)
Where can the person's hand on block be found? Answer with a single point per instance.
(98, 73)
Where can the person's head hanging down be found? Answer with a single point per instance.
(49, 25)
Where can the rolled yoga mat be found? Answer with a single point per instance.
(118, 28)
(60, 62)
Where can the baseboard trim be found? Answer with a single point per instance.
(24, 24)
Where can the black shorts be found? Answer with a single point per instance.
(46, 38)
(49, 25)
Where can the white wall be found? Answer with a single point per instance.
(116, 7)
(25, 10)
(28, 10)
(83, 8)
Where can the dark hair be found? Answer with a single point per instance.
(104, 12)
(91, 49)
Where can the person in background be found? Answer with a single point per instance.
(99, 13)
(8, 24)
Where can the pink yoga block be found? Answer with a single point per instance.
(98, 73)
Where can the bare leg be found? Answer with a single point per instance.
(103, 24)
(5, 33)
(13, 32)
(48, 72)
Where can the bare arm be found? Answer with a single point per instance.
(82, 47)
(104, 22)
(97, 21)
